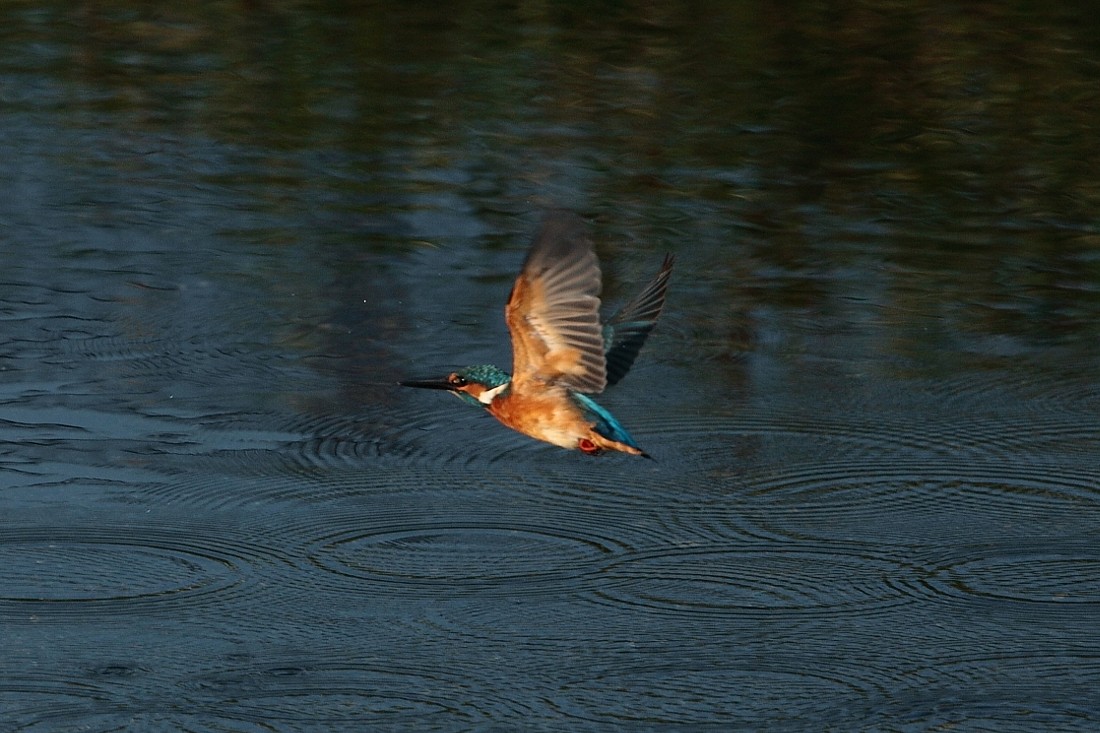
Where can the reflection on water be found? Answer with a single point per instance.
(230, 228)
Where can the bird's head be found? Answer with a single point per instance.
(477, 385)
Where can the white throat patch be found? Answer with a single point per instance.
(487, 397)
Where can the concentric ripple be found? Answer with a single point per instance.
(917, 501)
(59, 573)
(455, 557)
(1036, 691)
(742, 698)
(1040, 391)
(1036, 575)
(36, 698)
(333, 692)
(756, 581)
(350, 695)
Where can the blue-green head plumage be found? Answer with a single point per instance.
(486, 374)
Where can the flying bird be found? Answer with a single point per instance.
(561, 352)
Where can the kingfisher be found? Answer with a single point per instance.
(561, 352)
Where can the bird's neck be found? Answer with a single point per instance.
(486, 398)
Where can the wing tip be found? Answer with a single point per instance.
(561, 235)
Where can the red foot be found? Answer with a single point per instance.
(588, 447)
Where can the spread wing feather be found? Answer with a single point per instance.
(626, 331)
(553, 312)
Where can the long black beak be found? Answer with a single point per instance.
(427, 383)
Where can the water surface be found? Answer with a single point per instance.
(229, 229)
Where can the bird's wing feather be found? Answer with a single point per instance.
(626, 331)
(553, 312)
(603, 422)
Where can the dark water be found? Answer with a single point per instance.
(227, 230)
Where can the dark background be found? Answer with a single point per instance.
(228, 228)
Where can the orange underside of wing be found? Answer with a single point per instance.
(535, 356)
(528, 349)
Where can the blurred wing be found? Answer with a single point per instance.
(627, 330)
(553, 312)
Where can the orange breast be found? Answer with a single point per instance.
(552, 417)
(555, 418)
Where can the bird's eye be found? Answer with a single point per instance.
(457, 380)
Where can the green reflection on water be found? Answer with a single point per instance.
(934, 161)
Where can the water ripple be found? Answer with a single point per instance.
(49, 700)
(1034, 691)
(64, 572)
(724, 696)
(1041, 392)
(832, 437)
(916, 501)
(338, 691)
(454, 557)
(757, 581)
(1041, 574)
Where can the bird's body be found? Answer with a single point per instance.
(563, 418)
(551, 416)
(560, 350)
